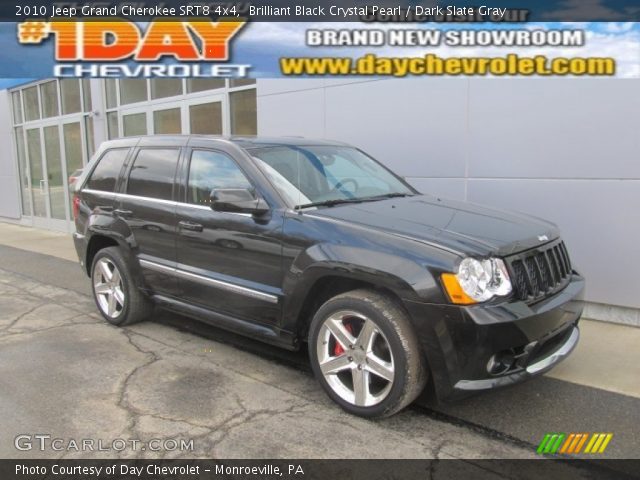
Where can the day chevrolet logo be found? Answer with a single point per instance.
(573, 443)
(196, 39)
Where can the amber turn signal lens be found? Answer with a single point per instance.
(454, 290)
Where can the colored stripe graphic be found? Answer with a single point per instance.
(569, 442)
(572, 443)
(581, 443)
(543, 443)
(598, 442)
(551, 442)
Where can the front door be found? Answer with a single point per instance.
(228, 262)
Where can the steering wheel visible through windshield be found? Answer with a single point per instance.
(309, 176)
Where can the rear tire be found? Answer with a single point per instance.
(114, 291)
(365, 354)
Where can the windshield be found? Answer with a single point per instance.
(317, 175)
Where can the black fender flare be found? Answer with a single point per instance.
(405, 278)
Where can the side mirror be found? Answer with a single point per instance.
(237, 200)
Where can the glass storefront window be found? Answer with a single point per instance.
(22, 171)
(17, 107)
(206, 118)
(49, 98)
(112, 125)
(34, 153)
(244, 119)
(241, 82)
(134, 124)
(47, 149)
(55, 179)
(133, 90)
(165, 87)
(86, 95)
(91, 143)
(71, 98)
(201, 84)
(110, 92)
(31, 107)
(72, 134)
(167, 121)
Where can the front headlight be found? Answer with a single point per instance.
(477, 281)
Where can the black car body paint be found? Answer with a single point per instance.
(258, 275)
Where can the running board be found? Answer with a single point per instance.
(271, 335)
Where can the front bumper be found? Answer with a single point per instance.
(536, 368)
(460, 342)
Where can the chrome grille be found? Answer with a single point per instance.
(539, 272)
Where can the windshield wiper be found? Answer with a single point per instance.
(338, 201)
(389, 195)
(330, 203)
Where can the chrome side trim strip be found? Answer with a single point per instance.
(157, 267)
(146, 199)
(159, 200)
(131, 197)
(212, 282)
(97, 192)
(556, 356)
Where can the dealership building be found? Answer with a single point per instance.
(567, 150)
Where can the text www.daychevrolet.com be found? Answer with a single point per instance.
(431, 64)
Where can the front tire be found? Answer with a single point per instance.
(365, 354)
(114, 291)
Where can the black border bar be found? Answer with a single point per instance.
(112, 469)
(396, 11)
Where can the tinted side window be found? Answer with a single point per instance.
(106, 173)
(209, 170)
(153, 172)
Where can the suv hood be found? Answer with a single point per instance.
(463, 227)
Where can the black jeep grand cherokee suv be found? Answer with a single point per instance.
(292, 240)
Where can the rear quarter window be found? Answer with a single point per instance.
(105, 176)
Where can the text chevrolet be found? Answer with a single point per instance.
(295, 241)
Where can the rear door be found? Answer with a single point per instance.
(146, 204)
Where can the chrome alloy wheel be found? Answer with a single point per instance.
(107, 286)
(355, 358)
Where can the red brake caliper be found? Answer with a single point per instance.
(337, 349)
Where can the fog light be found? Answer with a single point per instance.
(501, 362)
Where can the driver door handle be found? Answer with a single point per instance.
(123, 213)
(191, 226)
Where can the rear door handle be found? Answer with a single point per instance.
(193, 227)
(123, 213)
